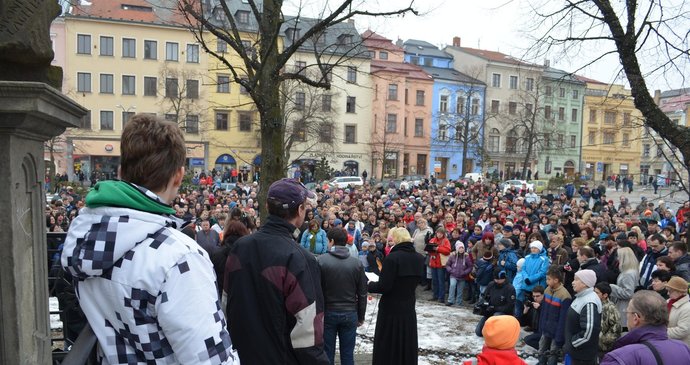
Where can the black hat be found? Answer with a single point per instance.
(499, 274)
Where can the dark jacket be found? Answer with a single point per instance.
(582, 326)
(648, 265)
(459, 266)
(630, 349)
(373, 259)
(554, 311)
(343, 282)
(220, 257)
(683, 267)
(483, 272)
(501, 297)
(594, 265)
(275, 304)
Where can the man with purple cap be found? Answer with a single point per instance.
(273, 286)
(583, 321)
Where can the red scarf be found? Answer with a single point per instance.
(669, 305)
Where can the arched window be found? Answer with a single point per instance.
(511, 141)
(494, 140)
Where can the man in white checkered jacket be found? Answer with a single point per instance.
(147, 289)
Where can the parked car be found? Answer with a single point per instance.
(227, 186)
(519, 184)
(474, 176)
(346, 181)
(540, 185)
(414, 180)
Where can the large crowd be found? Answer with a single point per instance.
(509, 252)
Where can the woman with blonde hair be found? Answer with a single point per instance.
(395, 337)
(640, 237)
(623, 290)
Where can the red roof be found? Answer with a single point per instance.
(130, 10)
(495, 56)
(675, 104)
(375, 40)
(588, 80)
(411, 71)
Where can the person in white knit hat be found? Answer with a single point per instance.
(583, 322)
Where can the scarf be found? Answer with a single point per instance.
(669, 305)
(312, 241)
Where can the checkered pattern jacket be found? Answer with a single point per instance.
(147, 289)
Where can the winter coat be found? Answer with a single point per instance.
(622, 291)
(320, 245)
(373, 259)
(594, 265)
(582, 326)
(554, 311)
(610, 326)
(395, 337)
(630, 350)
(501, 297)
(518, 284)
(534, 270)
(558, 256)
(683, 267)
(483, 272)
(490, 356)
(679, 320)
(648, 265)
(435, 256)
(510, 257)
(343, 282)
(459, 265)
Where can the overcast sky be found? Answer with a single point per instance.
(496, 25)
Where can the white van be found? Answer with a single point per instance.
(345, 181)
(474, 176)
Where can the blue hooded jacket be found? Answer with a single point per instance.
(534, 270)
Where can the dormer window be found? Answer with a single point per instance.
(242, 17)
(292, 33)
(345, 39)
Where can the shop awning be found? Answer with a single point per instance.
(225, 159)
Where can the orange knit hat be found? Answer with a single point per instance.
(501, 332)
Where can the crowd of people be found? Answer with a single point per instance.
(578, 272)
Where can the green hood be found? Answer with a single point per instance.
(115, 193)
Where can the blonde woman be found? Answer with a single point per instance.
(622, 291)
(395, 338)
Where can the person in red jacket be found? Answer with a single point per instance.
(439, 245)
(500, 335)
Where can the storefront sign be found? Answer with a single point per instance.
(109, 148)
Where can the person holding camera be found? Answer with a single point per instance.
(531, 314)
(499, 299)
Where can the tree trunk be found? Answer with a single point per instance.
(465, 144)
(530, 143)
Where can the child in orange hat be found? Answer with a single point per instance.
(500, 335)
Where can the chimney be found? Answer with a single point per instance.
(351, 21)
(547, 62)
(399, 42)
(657, 96)
(456, 41)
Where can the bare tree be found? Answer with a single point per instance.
(257, 62)
(181, 91)
(384, 142)
(635, 31)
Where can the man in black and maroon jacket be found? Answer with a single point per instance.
(273, 287)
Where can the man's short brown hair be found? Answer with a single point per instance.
(152, 151)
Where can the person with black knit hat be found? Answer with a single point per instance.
(499, 299)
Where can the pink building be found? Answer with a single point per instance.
(401, 129)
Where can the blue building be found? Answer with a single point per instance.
(457, 112)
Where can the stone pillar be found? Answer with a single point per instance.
(30, 114)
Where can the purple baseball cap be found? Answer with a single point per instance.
(291, 193)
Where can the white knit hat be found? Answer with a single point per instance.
(536, 244)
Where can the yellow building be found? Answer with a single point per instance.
(612, 132)
(121, 59)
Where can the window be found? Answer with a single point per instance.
(495, 106)
(513, 82)
(547, 140)
(86, 120)
(592, 115)
(221, 46)
(561, 92)
(243, 17)
(592, 137)
(529, 109)
(561, 113)
(392, 123)
(573, 115)
(106, 46)
(191, 124)
(475, 106)
(573, 141)
(496, 80)
(547, 112)
(245, 122)
(645, 150)
(351, 74)
(193, 89)
(223, 84)
(414, 60)
(443, 104)
(129, 47)
(511, 142)
(126, 116)
(193, 53)
(300, 100)
(299, 130)
(420, 97)
(659, 152)
(247, 45)
(106, 120)
(443, 132)
(627, 121)
(560, 140)
(350, 134)
(626, 139)
(150, 50)
(172, 51)
(326, 103)
(222, 121)
(171, 88)
(548, 91)
(300, 67)
(326, 132)
(529, 84)
(609, 137)
(393, 92)
(83, 82)
(494, 140)
(150, 86)
(460, 105)
(171, 117)
(610, 117)
(419, 127)
(83, 44)
(243, 90)
(428, 61)
(128, 85)
(512, 108)
(576, 94)
(383, 55)
(106, 84)
(350, 104)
